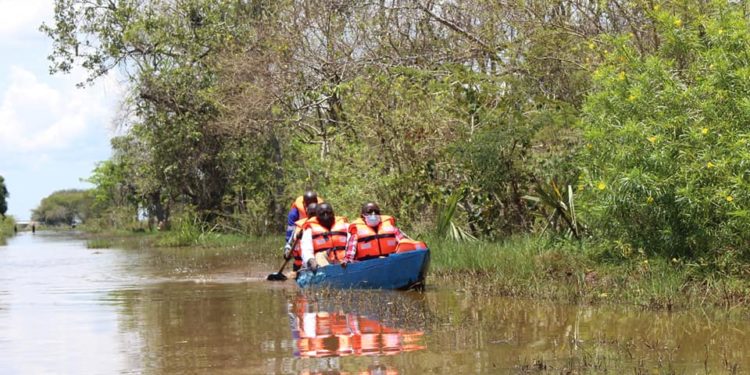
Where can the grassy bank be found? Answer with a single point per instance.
(6, 227)
(583, 273)
(527, 266)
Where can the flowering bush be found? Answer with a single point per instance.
(667, 159)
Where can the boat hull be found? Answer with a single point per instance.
(397, 271)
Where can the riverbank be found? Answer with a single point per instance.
(581, 272)
(526, 267)
(6, 227)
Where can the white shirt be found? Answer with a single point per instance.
(306, 246)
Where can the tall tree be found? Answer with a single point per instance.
(4, 194)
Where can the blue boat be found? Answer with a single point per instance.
(401, 271)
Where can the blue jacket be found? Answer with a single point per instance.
(290, 220)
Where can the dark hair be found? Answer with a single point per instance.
(370, 207)
(312, 209)
(309, 197)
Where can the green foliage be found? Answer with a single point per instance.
(556, 206)
(187, 230)
(7, 224)
(3, 197)
(65, 207)
(666, 159)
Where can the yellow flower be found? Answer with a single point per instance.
(650, 199)
(729, 198)
(652, 139)
(656, 8)
(580, 187)
(678, 22)
(603, 295)
(631, 98)
(621, 76)
(601, 185)
(645, 261)
(710, 165)
(704, 131)
(588, 145)
(721, 31)
(592, 45)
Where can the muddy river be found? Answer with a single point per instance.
(67, 309)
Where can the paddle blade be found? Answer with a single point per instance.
(278, 276)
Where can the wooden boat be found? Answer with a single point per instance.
(400, 270)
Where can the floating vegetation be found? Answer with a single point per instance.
(99, 243)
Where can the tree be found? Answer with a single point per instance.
(64, 207)
(3, 197)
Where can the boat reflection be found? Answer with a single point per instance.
(324, 332)
(371, 370)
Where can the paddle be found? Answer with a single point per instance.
(279, 276)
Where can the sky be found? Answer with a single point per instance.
(52, 133)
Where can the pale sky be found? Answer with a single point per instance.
(52, 134)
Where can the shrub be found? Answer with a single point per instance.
(666, 159)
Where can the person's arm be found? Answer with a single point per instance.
(291, 218)
(306, 246)
(399, 236)
(351, 247)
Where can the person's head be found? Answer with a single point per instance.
(312, 210)
(371, 214)
(309, 197)
(325, 215)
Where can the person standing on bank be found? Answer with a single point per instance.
(324, 238)
(372, 235)
(298, 210)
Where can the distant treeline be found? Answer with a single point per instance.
(625, 121)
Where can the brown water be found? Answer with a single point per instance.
(66, 309)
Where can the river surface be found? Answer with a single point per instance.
(67, 309)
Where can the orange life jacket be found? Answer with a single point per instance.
(297, 249)
(371, 242)
(333, 241)
(299, 203)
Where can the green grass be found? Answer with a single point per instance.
(6, 227)
(576, 272)
(523, 266)
(99, 243)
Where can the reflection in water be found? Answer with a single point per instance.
(65, 308)
(318, 332)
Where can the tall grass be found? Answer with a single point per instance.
(6, 226)
(573, 271)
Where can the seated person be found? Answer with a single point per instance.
(372, 235)
(292, 247)
(324, 238)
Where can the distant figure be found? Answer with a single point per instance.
(33, 228)
(15, 228)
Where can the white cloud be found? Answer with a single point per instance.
(36, 116)
(21, 18)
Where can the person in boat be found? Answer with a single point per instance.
(292, 247)
(372, 235)
(324, 238)
(298, 210)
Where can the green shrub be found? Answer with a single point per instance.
(666, 159)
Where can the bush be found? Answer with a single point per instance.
(665, 164)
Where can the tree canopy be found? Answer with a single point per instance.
(512, 111)
(4, 194)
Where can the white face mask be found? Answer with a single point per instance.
(372, 220)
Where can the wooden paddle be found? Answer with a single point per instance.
(279, 276)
